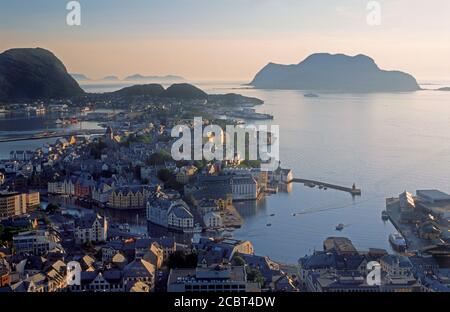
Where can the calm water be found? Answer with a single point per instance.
(22, 124)
(385, 143)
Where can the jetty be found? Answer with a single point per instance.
(313, 183)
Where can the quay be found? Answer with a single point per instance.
(48, 135)
(352, 190)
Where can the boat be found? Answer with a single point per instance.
(272, 215)
(384, 215)
(311, 95)
(340, 227)
(398, 242)
(269, 224)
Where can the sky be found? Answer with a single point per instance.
(229, 39)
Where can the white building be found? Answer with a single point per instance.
(244, 187)
(91, 228)
(169, 213)
(212, 220)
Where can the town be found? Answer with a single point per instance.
(54, 203)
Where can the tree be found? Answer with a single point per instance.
(255, 275)
(238, 261)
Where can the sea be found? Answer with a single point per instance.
(385, 143)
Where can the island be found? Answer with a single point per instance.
(334, 73)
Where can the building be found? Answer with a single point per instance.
(221, 250)
(169, 213)
(179, 217)
(212, 220)
(129, 198)
(96, 281)
(139, 270)
(185, 173)
(218, 278)
(37, 242)
(90, 228)
(244, 187)
(65, 187)
(16, 204)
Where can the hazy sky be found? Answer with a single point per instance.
(229, 39)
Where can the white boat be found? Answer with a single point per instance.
(398, 242)
(310, 95)
(340, 227)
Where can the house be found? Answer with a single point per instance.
(90, 228)
(139, 270)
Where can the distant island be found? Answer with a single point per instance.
(111, 78)
(167, 78)
(335, 73)
(444, 89)
(34, 74)
(80, 77)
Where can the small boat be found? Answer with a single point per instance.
(384, 215)
(59, 121)
(340, 227)
(269, 224)
(311, 95)
(272, 215)
(398, 242)
(320, 186)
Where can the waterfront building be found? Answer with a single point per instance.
(244, 187)
(129, 197)
(169, 213)
(90, 228)
(212, 220)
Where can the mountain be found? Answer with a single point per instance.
(27, 74)
(80, 77)
(148, 89)
(111, 78)
(334, 72)
(167, 78)
(184, 91)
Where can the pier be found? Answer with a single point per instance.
(352, 190)
(49, 135)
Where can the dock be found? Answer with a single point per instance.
(313, 183)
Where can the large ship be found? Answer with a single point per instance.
(398, 242)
